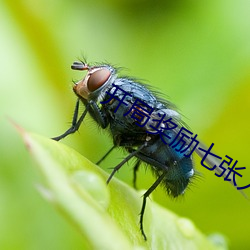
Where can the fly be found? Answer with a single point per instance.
(133, 114)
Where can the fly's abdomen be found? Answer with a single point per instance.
(177, 167)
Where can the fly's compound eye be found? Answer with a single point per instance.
(97, 79)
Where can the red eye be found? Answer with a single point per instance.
(97, 79)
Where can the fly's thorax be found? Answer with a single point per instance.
(163, 112)
(93, 85)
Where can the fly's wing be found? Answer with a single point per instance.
(211, 161)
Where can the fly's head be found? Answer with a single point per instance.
(97, 79)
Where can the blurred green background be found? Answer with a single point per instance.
(196, 52)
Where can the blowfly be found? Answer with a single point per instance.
(148, 127)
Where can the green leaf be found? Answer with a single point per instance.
(107, 215)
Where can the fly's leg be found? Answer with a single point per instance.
(145, 196)
(97, 114)
(75, 124)
(105, 155)
(124, 161)
(136, 167)
(91, 107)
